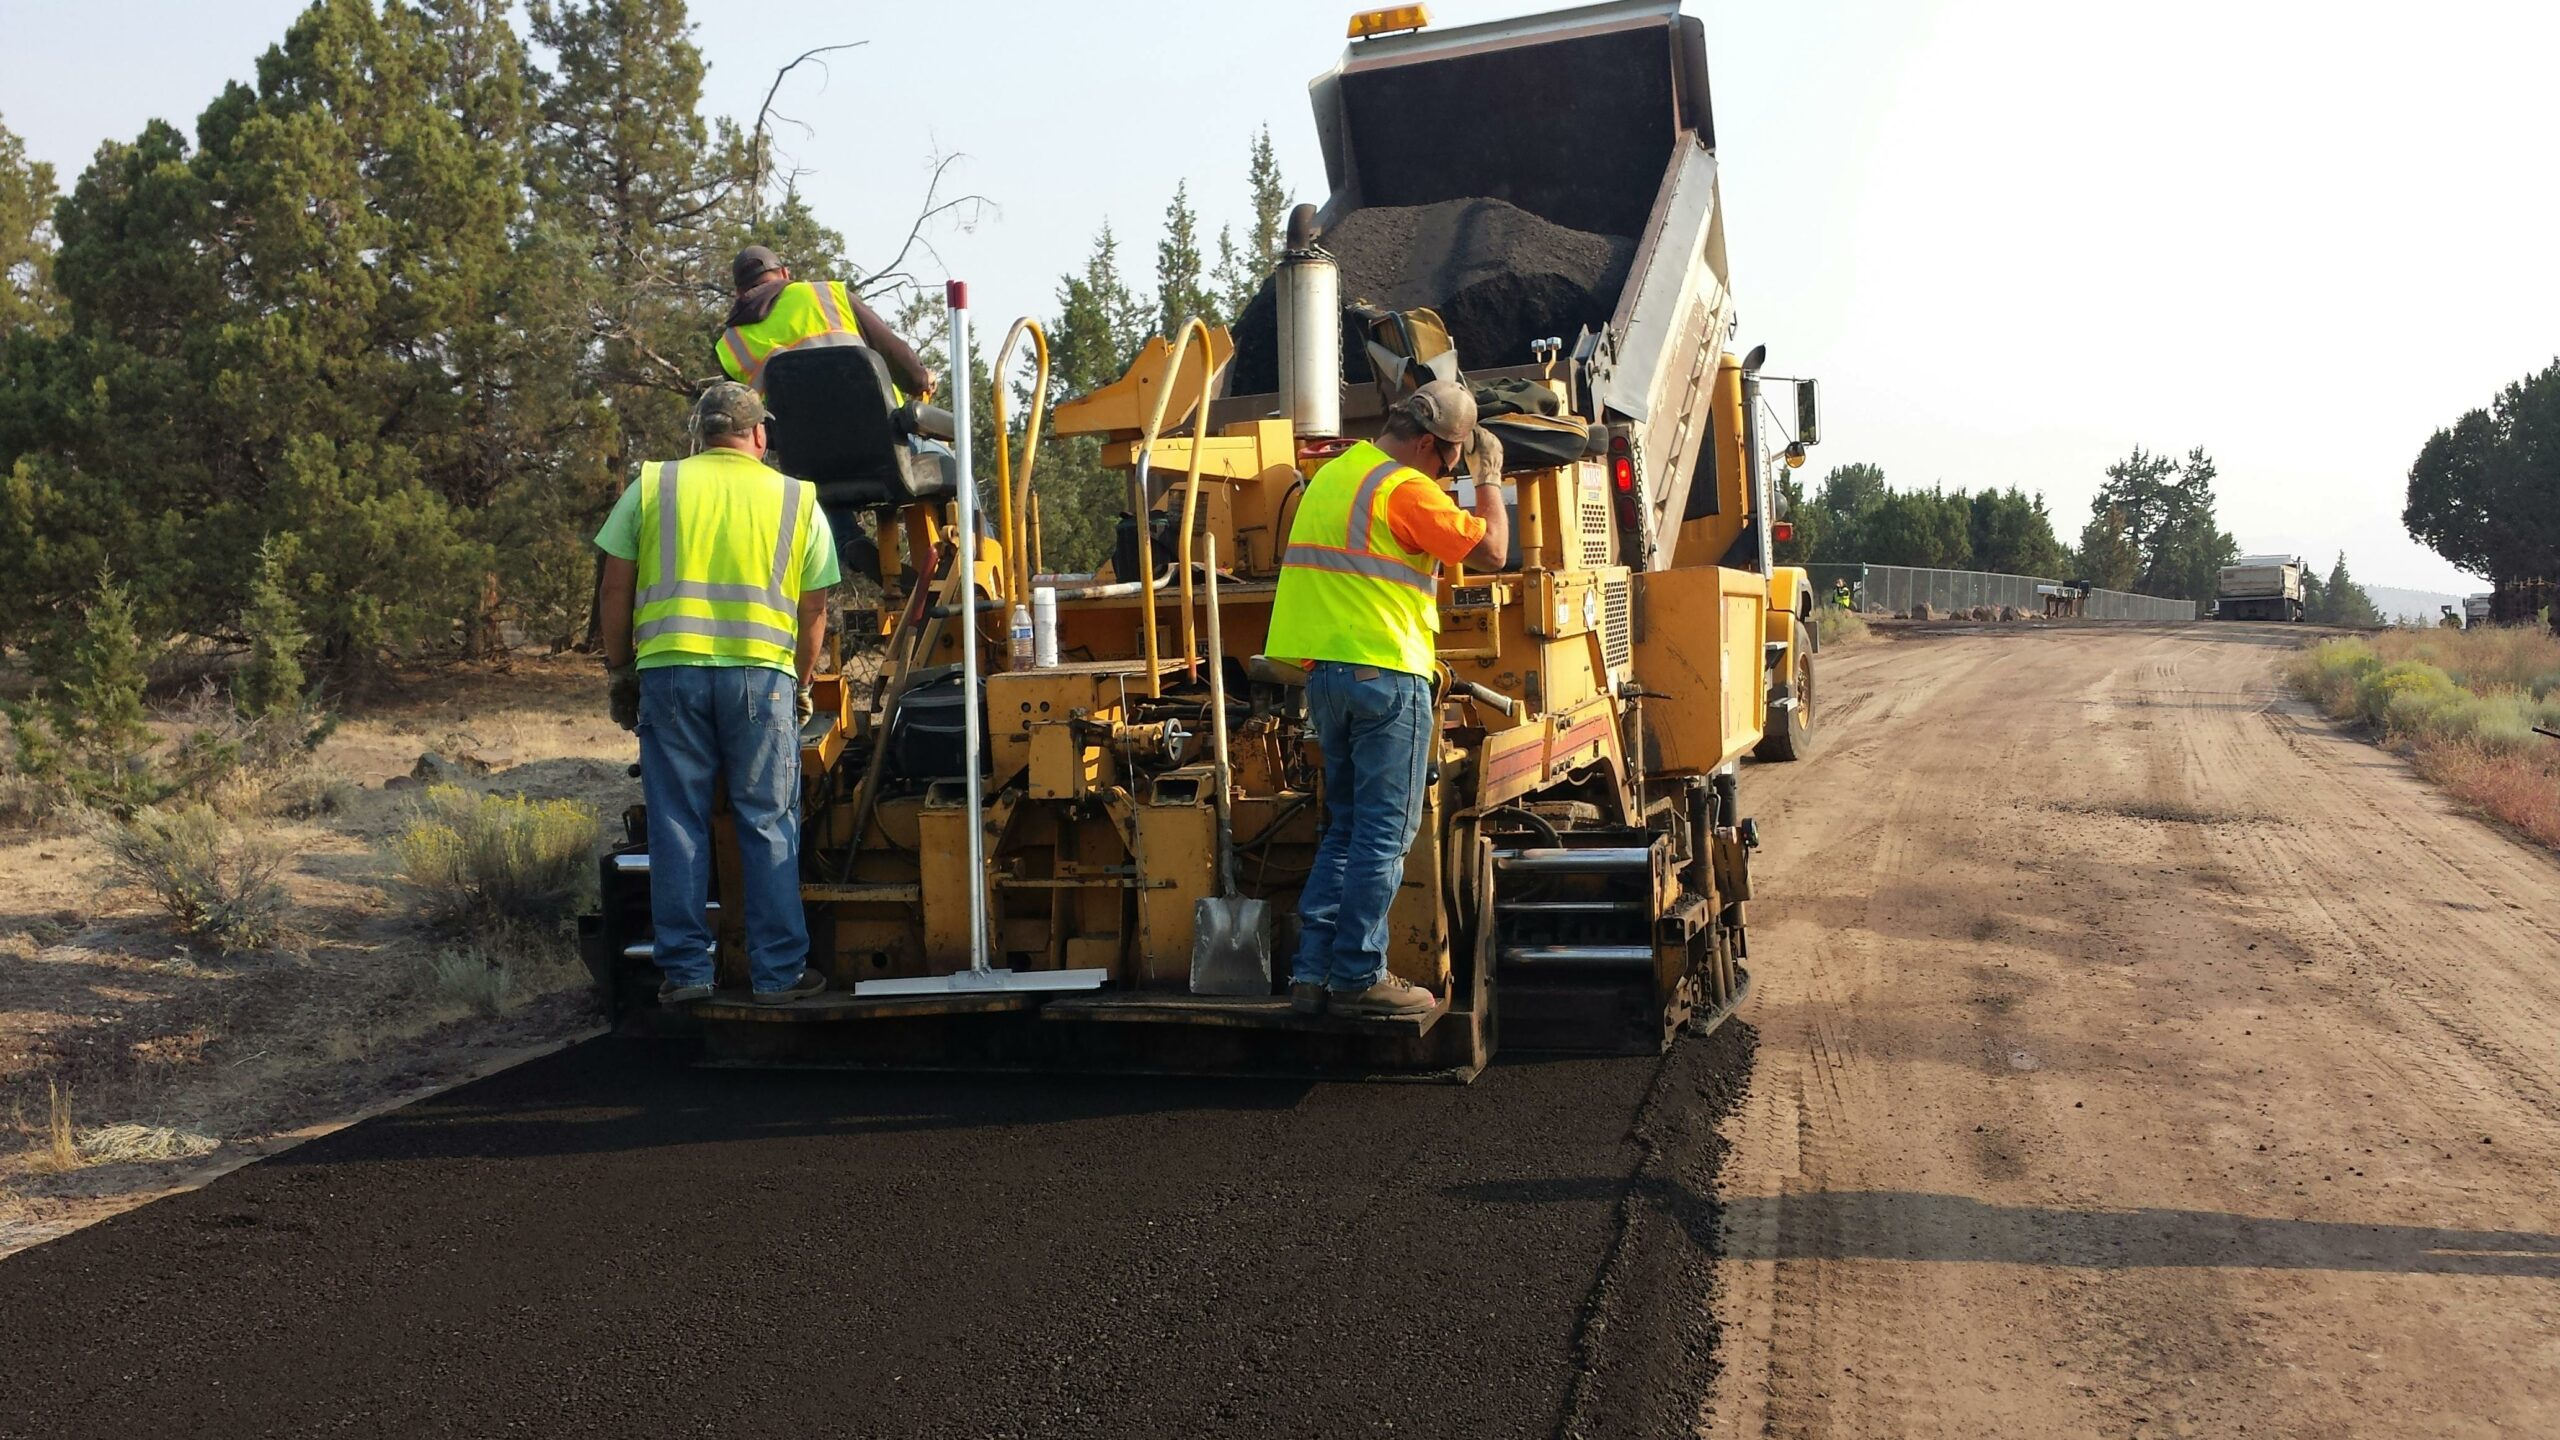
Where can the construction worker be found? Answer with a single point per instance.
(715, 606)
(774, 312)
(1840, 595)
(1359, 601)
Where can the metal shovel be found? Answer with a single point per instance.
(1230, 934)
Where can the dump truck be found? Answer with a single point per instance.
(1083, 851)
(2259, 587)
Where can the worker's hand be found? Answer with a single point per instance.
(932, 383)
(622, 694)
(1484, 458)
(808, 704)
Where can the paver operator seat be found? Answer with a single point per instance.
(837, 423)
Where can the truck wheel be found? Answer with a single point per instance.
(1787, 733)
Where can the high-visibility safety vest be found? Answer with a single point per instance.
(804, 316)
(1348, 590)
(721, 538)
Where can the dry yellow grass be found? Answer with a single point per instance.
(2463, 703)
(61, 1150)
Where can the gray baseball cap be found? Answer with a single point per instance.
(750, 266)
(1446, 408)
(727, 408)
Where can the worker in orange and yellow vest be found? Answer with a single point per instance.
(774, 313)
(1360, 598)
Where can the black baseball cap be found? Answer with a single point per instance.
(750, 266)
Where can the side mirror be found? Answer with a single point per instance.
(1808, 412)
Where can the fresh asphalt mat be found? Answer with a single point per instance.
(611, 1241)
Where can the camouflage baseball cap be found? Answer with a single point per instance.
(727, 408)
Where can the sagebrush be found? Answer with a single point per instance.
(496, 860)
(1835, 626)
(216, 884)
(2464, 703)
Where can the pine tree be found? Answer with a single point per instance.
(27, 298)
(1099, 326)
(93, 702)
(624, 164)
(2165, 511)
(1179, 294)
(2344, 601)
(1270, 202)
(271, 681)
(2109, 557)
(1234, 280)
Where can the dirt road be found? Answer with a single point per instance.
(2138, 1056)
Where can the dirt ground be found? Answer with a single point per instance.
(97, 998)
(2139, 1055)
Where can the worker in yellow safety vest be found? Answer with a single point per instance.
(774, 313)
(1359, 600)
(715, 607)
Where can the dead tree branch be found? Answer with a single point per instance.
(893, 275)
(765, 113)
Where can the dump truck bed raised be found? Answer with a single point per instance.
(1595, 119)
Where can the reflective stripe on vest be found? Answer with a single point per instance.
(807, 315)
(1366, 600)
(1355, 556)
(687, 603)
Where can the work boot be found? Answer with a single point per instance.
(1391, 997)
(809, 983)
(1306, 997)
(671, 993)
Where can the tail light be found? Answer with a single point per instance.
(1783, 531)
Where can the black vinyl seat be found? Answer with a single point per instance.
(837, 424)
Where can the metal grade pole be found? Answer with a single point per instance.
(956, 298)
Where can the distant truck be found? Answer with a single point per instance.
(2259, 587)
(2475, 609)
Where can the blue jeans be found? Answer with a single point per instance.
(702, 726)
(1376, 728)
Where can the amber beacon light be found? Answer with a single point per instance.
(1371, 23)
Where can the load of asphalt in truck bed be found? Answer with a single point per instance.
(1500, 277)
(613, 1241)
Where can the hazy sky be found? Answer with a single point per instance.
(2013, 237)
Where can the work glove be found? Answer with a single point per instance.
(1484, 457)
(622, 694)
(807, 704)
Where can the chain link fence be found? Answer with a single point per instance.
(1894, 589)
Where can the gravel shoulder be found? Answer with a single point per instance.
(2140, 1055)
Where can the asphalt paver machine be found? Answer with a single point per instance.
(1582, 872)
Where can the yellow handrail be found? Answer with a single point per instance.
(1147, 436)
(1013, 492)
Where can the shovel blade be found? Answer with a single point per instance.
(1231, 946)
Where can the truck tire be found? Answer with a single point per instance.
(1787, 732)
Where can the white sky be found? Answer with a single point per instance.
(2013, 237)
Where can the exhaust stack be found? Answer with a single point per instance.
(1309, 291)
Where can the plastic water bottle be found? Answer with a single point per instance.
(1021, 638)
(1044, 627)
